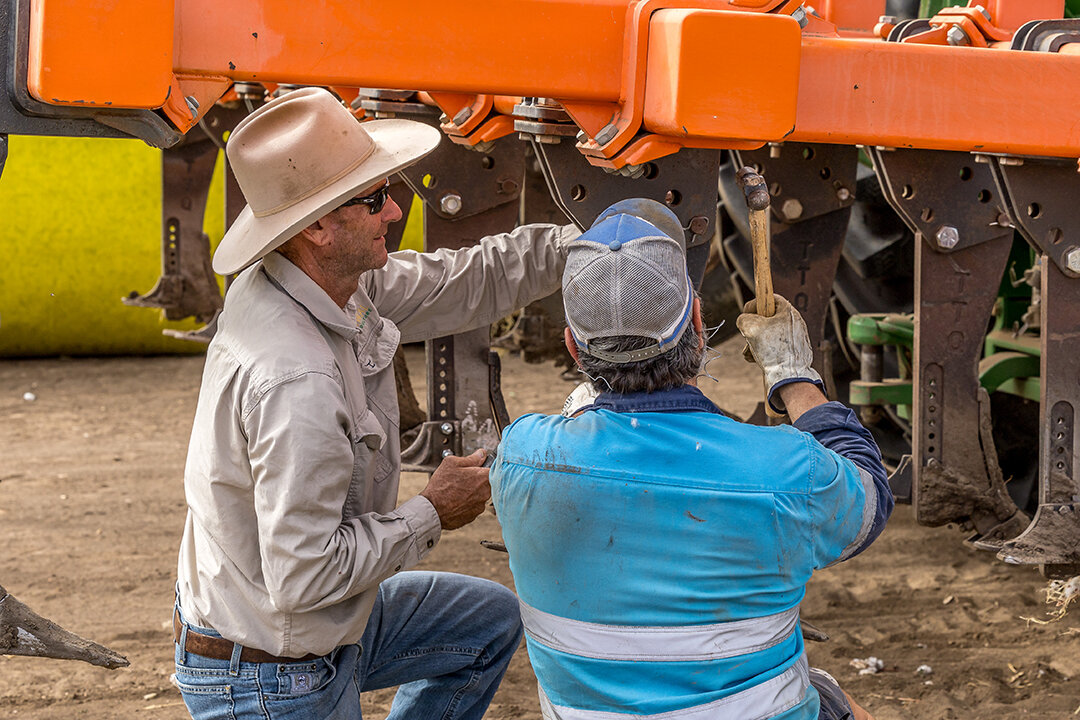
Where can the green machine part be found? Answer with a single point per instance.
(81, 229)
(1010, 361)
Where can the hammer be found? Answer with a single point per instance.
(757, 202)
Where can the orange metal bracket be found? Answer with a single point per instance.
(119, 55)
(612, 126)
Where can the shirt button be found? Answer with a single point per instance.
(431, 543)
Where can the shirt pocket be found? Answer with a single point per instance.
(369, 466)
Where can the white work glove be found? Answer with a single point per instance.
(780, 345)
(583, 395)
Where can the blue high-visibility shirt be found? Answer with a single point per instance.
(660, 551)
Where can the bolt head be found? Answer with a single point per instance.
(447, 453)
(800, 16)
(947, 236)
(450, 203)
(843, 194)
(606, 134)
(956, 36)
(1072, 260)
(792, 209)
(446, 428)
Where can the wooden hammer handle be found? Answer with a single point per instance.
(757, 203)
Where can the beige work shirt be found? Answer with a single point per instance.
(293, 465)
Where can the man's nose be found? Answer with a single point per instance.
(391, 211)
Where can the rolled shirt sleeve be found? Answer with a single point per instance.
(302, 463)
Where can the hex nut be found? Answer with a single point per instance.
(446, 428)
(1072, 260)
(947, 236)
(792, 209)
(957, 36)
(450, 203)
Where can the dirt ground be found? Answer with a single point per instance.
(91, 509)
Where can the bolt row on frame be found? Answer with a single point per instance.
(553, 108)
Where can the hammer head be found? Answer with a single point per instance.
(753, 187)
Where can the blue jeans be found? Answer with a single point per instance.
(834, 706)
(446, 639)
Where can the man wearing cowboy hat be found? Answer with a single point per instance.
(292, 595)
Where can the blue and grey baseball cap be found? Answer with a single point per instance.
(626, 276)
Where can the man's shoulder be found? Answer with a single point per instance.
(269, 336)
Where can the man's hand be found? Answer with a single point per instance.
(459, 489)
(780, 345)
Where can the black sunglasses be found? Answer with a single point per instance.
(374, 201)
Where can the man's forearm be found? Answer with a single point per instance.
(799, 397)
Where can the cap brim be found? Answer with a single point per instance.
(398, 144)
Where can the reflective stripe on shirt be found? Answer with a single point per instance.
(658, 643)
(869, 508)
(759, 702)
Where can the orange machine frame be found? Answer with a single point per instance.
(642, 78)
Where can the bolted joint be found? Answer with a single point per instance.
(463, 115)
(947, 236)
(843, 194)
(450, 203)
(606, 134)
(1072, 260)
(792, 209)
(446, 428)
(699, 225)
(984, 11)
(956, 36)
(800, 16)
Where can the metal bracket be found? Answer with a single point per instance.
(187, 285)
(21, 114)
(685, 182)
(812, 187)
(1040, 195)
(1046, 35)
(949, 200)
(463, 405)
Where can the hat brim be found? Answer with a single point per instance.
(398, 144)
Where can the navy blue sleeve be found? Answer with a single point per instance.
(835, 426)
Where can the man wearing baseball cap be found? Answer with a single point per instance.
(293, 595)
(660, 549)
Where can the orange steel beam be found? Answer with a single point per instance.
(853, 92)
(593, 56)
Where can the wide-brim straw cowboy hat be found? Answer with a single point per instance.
(298, 158)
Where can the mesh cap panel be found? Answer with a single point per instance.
(626, 277)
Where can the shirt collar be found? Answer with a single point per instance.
(301, 288)
(680, 399)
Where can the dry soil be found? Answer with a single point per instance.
(91, 508)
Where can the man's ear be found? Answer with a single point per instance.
(317, 233)
(698, 325)
(568, 338)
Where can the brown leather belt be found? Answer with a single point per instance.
(217, 648)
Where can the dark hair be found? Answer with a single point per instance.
(667, 370)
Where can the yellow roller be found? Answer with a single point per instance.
(81, 227)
